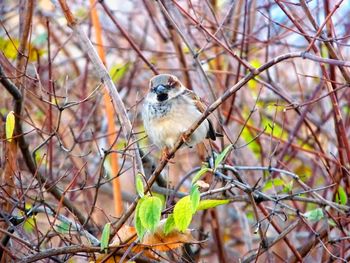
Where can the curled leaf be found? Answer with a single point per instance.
(222, 155)
(161, 241)
(200, 173)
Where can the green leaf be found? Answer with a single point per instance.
(222, 155)
(150, 211)
(63, 227)
(161, 197)
(169, 224)
(272, 127)
(331, 222)
(10, 125)
(37, 156)
(139, 185)
(314, 215)
(346, 109)
(341, 197)
(250, 215)
(249, 137)
(200, 173)
(206, 204)
(195, 198)
(105, 237)
(118, 71)
(288, 187)
(140, 230)
(183, 213)
(273, 183)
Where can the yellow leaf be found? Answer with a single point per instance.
(252, 84)
(185, 49)
(29, 223)
(255, 63)
(9, 47)
(10, 125)
(118, 71)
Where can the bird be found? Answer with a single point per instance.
(169, 110)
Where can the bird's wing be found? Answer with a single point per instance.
(201, 108)
(196, 100)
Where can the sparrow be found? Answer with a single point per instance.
(169, 110)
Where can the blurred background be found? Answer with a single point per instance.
(287, 118)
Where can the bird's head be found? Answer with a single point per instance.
(164, 87)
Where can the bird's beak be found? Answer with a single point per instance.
(160, 89)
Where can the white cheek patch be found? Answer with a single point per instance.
(151, 98)
(175, 92)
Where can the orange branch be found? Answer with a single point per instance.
(117, 197)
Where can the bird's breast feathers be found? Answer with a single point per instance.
(164, 123)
